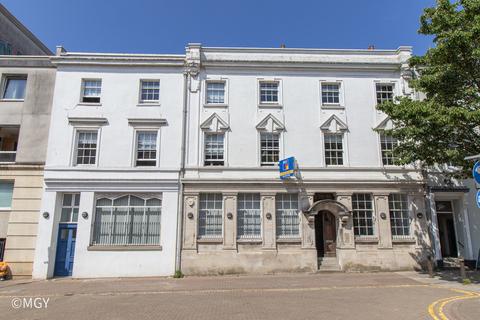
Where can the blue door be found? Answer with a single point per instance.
(67, 234)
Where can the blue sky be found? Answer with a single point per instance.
(158, 26)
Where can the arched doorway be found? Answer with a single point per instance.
(328, 217)
(325, 234)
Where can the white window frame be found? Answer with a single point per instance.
(135, 146)
(148, 102)
(205, 134)
(409, 214)
(374, 235)
(279, 103)
(211, 237)
(76, 132)
(72, 206)
(5, 78)
(341, 94)
(113, 197)
(380, 134)
(344, 148)
(249, 236)
(82, 91)
(288, 237)
(259, 148)
(225, 93)
(394, 83)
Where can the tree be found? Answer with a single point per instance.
(444, 127)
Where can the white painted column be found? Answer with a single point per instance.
(467, 228)
(44, 259)
(434, 226)
(81, 261)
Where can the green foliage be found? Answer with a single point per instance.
(466, 281)
(178, 274)
(444, 127)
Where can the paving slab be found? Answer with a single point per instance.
(292, 296)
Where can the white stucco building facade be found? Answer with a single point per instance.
(349, 207)
(109, 206)
(163, 162)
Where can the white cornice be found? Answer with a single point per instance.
(407, 49)
(114, 59)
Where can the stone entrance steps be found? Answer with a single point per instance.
(328, 264)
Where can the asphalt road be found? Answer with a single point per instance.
(299, 296)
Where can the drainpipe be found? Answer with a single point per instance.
(181, 174)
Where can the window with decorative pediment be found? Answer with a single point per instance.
(334, 130)
(270, 129)
(214, 133)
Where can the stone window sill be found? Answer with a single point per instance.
(148, 104)
(124, 248)
(215, 105)
(270, 105)
(332, 106)
(90, 104)
(289, 240)
(365, 240)
(240, 240)
(218, 240)
(403, 240)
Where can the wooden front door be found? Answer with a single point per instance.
(325, 234)
(329, 234)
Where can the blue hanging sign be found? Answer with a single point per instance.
(478, 198)
(476, 172)
(287, 167)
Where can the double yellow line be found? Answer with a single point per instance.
(435, 309)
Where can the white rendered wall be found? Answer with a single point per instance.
(302, 114)
(114, 171)
(119, 102)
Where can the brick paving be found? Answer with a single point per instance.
(293, 296)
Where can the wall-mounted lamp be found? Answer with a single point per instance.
(383, 215)
(229, 216)
(419, 215)
(46, 215)
(190, 215)
(85, 215)
(268, 216)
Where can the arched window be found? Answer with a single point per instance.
(127, 220)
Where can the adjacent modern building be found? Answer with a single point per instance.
(112, 175)
(27, 85)
(349, 206)
(16, 39)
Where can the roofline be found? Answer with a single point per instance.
(25, 30)
(108, 59)
(407, 49)
(120, 55)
